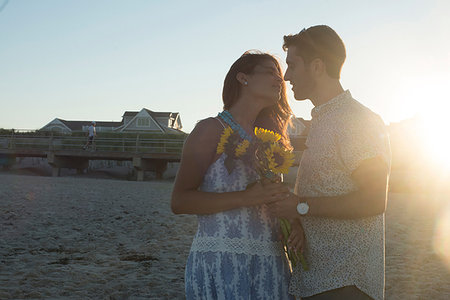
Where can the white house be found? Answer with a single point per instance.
(150, 121)
(144, 120)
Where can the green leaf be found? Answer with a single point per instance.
(230, 164)
(303, 261)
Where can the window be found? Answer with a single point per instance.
(143, 122)
(56, 129)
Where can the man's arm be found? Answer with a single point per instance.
(370, 199)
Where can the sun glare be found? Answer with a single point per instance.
(435, 132)
(427, 96)
(441, 241)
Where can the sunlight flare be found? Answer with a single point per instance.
(436, 140)
(434, 125)
(441, 240)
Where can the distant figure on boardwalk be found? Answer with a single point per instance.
(91, 134)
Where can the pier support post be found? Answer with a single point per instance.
(159, 166)
(56, 172)
(7, 161)
(58, 162)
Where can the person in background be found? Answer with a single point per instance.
(91, 136)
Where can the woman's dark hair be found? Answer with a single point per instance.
(322, 42)
(275, 117)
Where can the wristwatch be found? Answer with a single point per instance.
(302, 208)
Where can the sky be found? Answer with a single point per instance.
(94, 60)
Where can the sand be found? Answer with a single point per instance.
(85, 238)
(417, 240)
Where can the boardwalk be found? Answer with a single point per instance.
(67, 152)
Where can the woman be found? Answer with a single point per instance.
(236, 253)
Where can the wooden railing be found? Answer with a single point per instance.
(23, 139)
(119, 144)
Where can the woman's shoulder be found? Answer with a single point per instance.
(202, 141)
(214, 122)
(206, 132)
(210, 127)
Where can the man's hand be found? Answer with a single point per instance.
(285, 208)
(297, 239)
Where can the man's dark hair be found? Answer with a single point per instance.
(319, 42)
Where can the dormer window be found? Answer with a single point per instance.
(143, 122)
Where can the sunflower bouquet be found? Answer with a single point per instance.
(273, 160)
(269, 158)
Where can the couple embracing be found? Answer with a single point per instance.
(337, 208)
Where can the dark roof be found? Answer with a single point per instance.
(158, 114)
(154, 114)
(78, 125)
(130, 113)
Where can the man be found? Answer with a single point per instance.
(341, 188)
(91, 134)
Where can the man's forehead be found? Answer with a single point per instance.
(292, 54)
(290, 51)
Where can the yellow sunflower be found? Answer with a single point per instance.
(242, 148)
(267, 135)
(280, 159)
(224, 140)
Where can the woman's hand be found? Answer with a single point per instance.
(297, 239)
(264, 192)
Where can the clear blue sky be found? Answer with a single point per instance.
(93, 60)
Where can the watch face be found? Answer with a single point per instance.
(302, 208)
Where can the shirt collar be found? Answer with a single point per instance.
(331, 105)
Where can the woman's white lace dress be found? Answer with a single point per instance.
(236, 254)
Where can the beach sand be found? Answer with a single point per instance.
(82, 238)
(90, 238)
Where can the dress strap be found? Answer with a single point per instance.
(220, 121)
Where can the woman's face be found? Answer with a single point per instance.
(265, 82)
